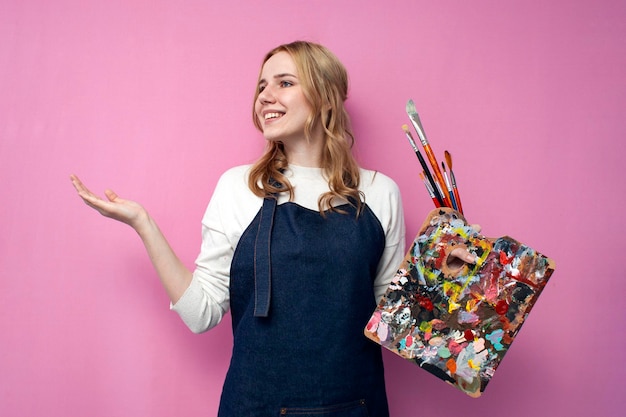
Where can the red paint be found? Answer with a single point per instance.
(503, 258)
(425, 303)
(441, 255)
(468, 334)
(502, 307)
(506, 323)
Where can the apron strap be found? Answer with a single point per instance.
(262, 264)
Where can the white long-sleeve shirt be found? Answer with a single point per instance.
(233, 207)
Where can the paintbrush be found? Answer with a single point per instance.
(448, 186)
(457, 197)
(417, 124)
(430, 190)
(432, 182)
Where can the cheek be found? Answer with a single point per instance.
(257, 113)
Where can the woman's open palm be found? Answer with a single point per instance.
(114, 207)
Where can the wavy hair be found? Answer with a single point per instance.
(324, 82)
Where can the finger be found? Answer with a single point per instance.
(90, 198)
(76, 183)
(93, 201)
(79, 186)
(464, 255)
(87, 196)
(476, 227)
(111, 195)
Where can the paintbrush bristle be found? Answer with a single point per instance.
(407, 132)
(415, 120)
(410, 106)
(448, 159)
(412, 112)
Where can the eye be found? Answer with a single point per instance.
(261, 87)
(285, 83)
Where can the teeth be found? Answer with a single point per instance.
(272, 116)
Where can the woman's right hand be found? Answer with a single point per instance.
(114, 207)
(173, 273)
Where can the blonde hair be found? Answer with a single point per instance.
(324, 82)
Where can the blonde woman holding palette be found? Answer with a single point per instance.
(298, 247)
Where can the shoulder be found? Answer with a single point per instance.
(233, 181)
(382, 196)
(232, 191)
(232, 205)
(378, 185)
(235, 176)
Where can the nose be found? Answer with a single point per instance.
(266, 95)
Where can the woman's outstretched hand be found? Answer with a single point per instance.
(114, 207)
(173, 273)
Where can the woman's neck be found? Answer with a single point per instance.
(305, 153)
(304, 158)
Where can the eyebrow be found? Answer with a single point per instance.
(277, 76)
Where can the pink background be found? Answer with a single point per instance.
(153, 98)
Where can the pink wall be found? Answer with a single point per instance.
(152, 98)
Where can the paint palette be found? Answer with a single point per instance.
(458, 320)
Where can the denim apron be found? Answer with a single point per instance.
(301, 293)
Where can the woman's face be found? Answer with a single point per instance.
(281, 107)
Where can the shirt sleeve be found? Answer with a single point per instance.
(386, 202)
(230, 210)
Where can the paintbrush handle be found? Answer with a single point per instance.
(430, 190)
(430, 177)
(449, 188)
(437, 172)
(456, 192)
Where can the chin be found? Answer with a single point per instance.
(271, 138)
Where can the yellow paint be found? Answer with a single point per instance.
(453, 306)
(471, 304)
(426, 327)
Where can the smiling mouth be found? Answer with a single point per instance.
(272, 116)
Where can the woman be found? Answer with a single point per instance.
(299, 246)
